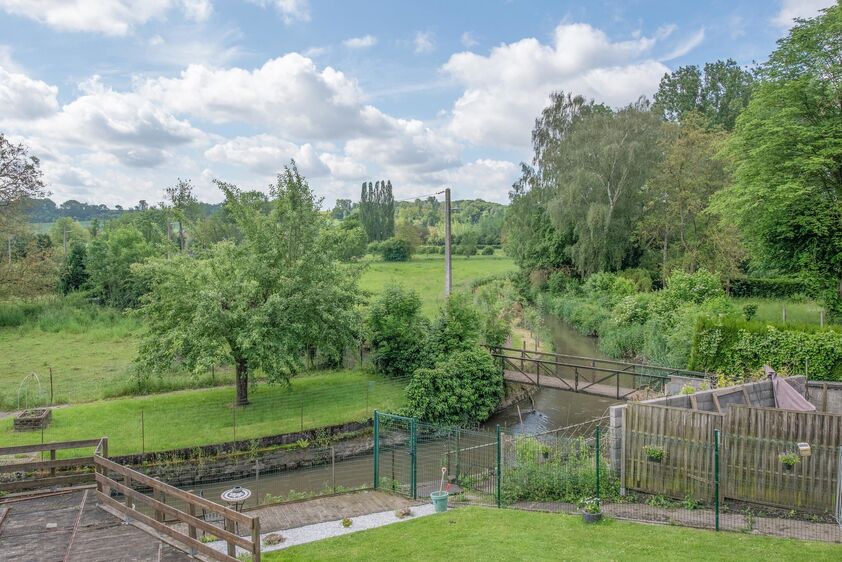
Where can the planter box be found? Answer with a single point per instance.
(35, 418)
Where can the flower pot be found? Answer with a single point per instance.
(592, 517)
(439, 501)
(788, 467)
(654, 459)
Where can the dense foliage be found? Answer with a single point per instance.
(397, 332)
(395, 249)
(377, 210)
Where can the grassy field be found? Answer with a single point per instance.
(90, 350)
(198, 417)
(771, 310)
(488, 534)
(425, 274)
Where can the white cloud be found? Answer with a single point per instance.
(267, 155)
(483, 178)
(424, 42)
(686, 46)
(23, 98)
(110, 17)
(507, 89)
(289, 92)
(360, 42)
(291, 11)
(468, 40)
(180, 50)
(791, 9)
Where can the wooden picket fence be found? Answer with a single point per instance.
(751, 441)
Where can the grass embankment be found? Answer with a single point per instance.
(487, 534)
(804, 311)
(90, 349)
(425, 275)
(199, 417)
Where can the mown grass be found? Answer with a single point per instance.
(425, 274)
(487, 534)
(797, 311)
(199, 417)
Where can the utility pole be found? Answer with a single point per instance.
(448, 272)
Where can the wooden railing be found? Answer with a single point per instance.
(232, 521)
(55, 478)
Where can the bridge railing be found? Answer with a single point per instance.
(589, 374)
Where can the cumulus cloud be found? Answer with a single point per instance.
(424, 42)
(791, 9)
(288, 92)
(21, 97)
(110, 17)
(483, 178)
(267, 155)
(506, 89)
(360, 42)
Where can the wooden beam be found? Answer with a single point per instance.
(37, 447)
(33, 483)
(42, 465)
(210, 552)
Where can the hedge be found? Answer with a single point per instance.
(767, 287)
(737, 347)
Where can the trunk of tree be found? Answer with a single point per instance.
(242, 383)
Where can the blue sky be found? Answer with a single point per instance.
(120, 98)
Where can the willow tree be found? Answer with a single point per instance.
(262, 304)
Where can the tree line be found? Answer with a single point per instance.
(728, 169)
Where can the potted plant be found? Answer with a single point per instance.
(440, 497)
(591, 510)
(789, 460)
(654, 453)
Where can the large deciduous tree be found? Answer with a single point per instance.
(377, 210)
(787, 152)
(719, 92)
(262, 304)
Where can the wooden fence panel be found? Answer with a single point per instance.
(753, 439)
(686, 437)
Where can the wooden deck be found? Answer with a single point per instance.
(69, 526)
(561, 383)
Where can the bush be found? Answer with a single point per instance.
(458, 327)
(695, 287)
(622, 341)
(641, 278)
(373, 248)
(463, 389)
(749, 311)
(607, 287)
(398, 332)
(768, 287)
(488, 251)
(395, 249)
(738, 347)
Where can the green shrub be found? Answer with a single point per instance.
(397, 331)
(463, 389)
(634, 309)
(373, 247)
(641, 278)
(737, 347)
(459, 326)
(695, 287)
(488, 251)
(622, 341)
(768, 287)
(395, 249)
(749, 311)
(607, 287)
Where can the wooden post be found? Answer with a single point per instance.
(191, 530)
(52, 458)
(522, 355)
(51, 386)
(232, 548)
(159, 495)
(783, 313)
(234, 410)
(142, 434)
(127, 480)
(333, 467)
(255, 539)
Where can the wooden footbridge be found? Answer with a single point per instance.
(590, 375)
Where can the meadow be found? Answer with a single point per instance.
(476, 533)
(90, 349)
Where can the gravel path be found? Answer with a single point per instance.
(319, 531)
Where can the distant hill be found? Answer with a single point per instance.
(46, 211)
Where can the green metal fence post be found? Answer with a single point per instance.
(376, 449)
(716, 475)
(413, 442)
(499, 468)
(597, 462)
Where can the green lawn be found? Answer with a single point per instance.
(425, 274)
(771, 310)
(487, 534)
(198, 417)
